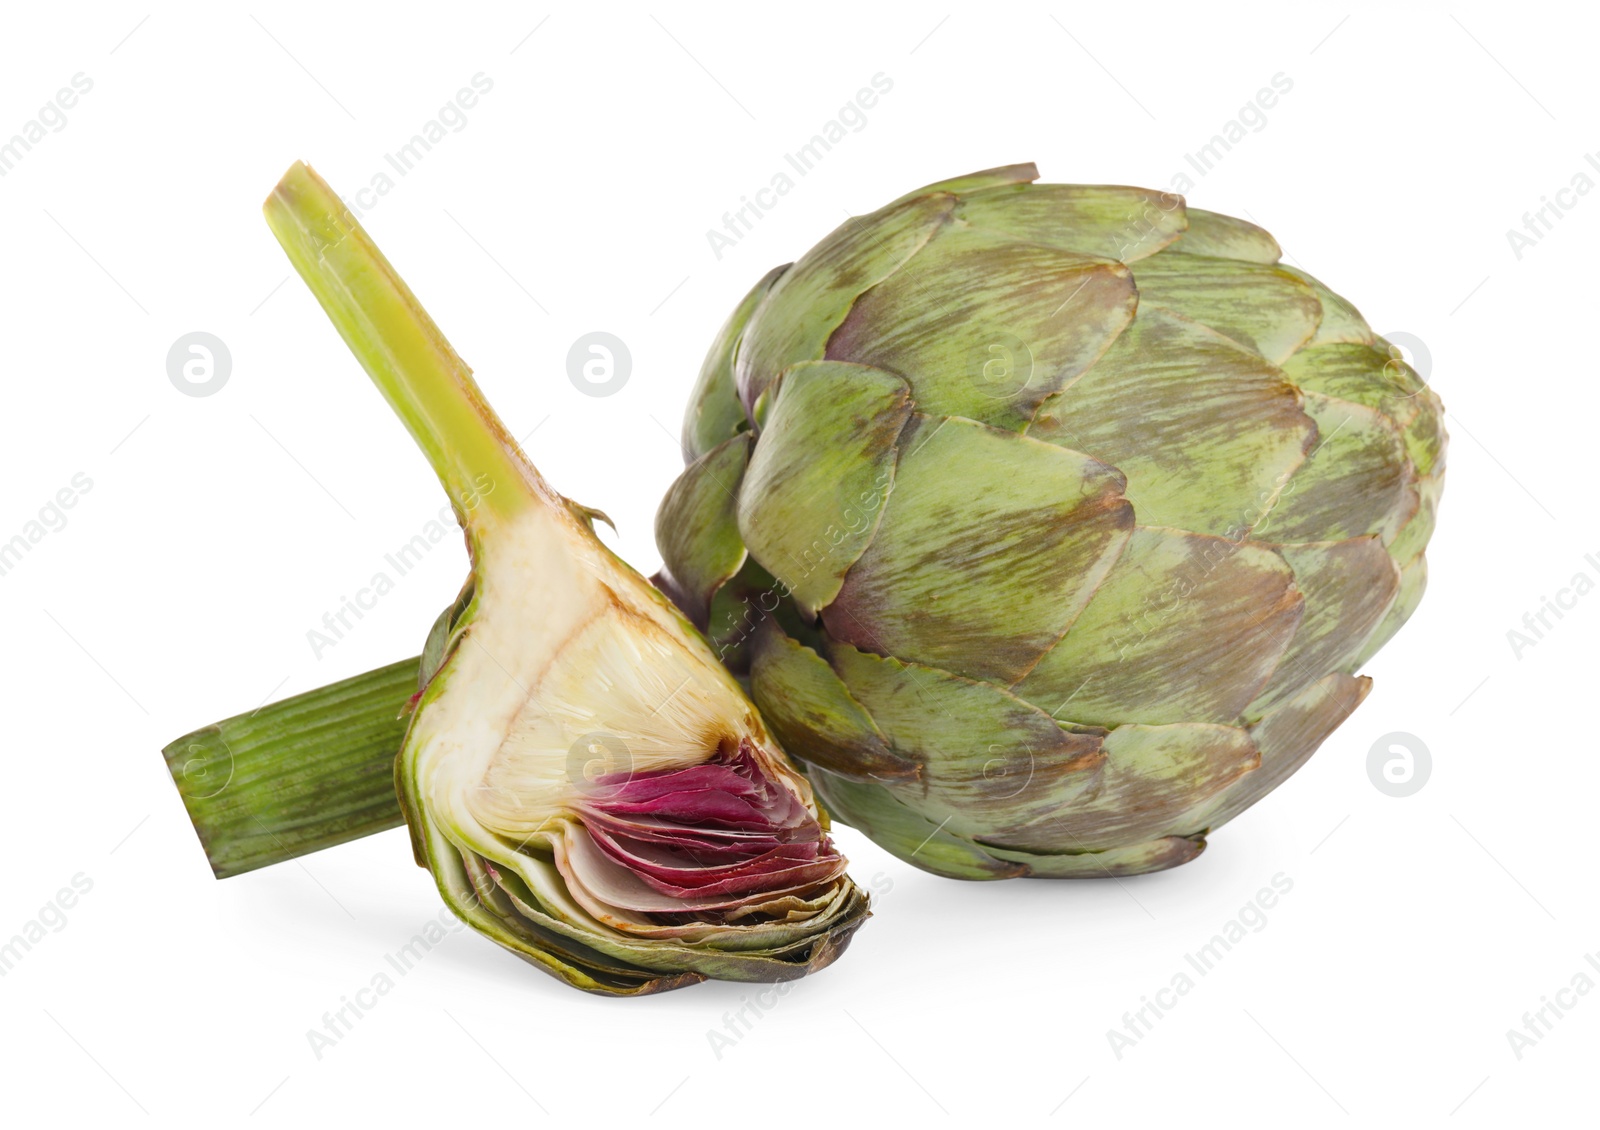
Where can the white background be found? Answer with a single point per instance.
(218, 530)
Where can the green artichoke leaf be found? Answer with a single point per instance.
(442, 636)
(696, 529)
(982, 590)
(1355, 481)
(1205, 430)
(1420, 414)
(804, 700)
(908, 835)
(1369, 376)
(437, 645)
(1413, 582)
(1415, 534)
(976, 182)
(809, 301)
(1224, 237)
(475, 900)
(1349, 586)
(567, 935)
(816, 488)
(1114, 863)
(773, 951)
(1287, 737)
(1105, 221)
(1264, 308)
(1152, 779)
(738, 610)
(715, 414)
(988, 758)
(985, 327)
(1361, 374)
(1185, 628)
(1341, 322)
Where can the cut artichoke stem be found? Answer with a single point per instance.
(588, 785)
(308, 773)
(431, 389)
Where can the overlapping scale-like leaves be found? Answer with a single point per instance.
(1070, 514)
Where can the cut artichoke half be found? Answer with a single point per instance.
(586, 782)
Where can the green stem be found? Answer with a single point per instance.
(298, 776)
(428, 385)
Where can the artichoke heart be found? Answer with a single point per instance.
(580, 765)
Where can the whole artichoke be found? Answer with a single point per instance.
(1050, 523)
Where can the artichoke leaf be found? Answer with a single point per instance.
(816, 487)
(1107, 221)
(1368, 375)
(1205, 431)
(1355, 481)
(809, 301)
(1184, 628)
(985, 327)
(715, 414)
(803, 700)
(977, 182)
(1349, 587)
(1113, 863)
(738, 610)
(1413, 583)
(1341, 322)
(697, 531)
(908, 835)
(1414, 535)
(1225, 237)
(1264, 308)
(1287, 737)
(988, 758)
(1151, 779)
(576, 965)
(982, 591)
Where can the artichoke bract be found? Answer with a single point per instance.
(1049, 524)
(588, 785)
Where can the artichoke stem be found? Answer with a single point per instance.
(307, 773)
(481, 467)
